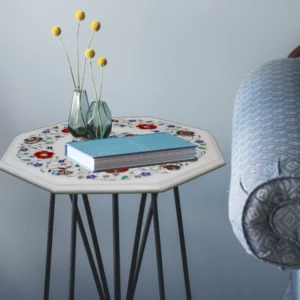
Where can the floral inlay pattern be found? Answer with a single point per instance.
(38, 151)
(43, 154)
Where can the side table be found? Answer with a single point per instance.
(38, 158)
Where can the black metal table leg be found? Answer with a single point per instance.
(49, 246)
(158, 248)
(182, 245)
(141, 251)
(116, 239)
(73, 248)
(96, 245)
(89, 254)
(136, 245)
(137, 253)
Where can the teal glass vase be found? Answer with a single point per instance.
(78, 112)
(99, 120)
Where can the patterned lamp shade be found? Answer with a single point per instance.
(264, 201)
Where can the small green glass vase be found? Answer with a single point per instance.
(78, 112)
(99, 120)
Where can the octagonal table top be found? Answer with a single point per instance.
(38, 158)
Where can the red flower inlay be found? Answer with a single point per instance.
(65, 130)
(172, 167)
(117, 171)
(146, 126)
(130, 134)
(43, 154)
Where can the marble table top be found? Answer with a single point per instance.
(38, 158)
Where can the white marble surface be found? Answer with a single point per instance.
(59, 175)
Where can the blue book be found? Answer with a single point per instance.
(132, 151)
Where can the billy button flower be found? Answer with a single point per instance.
(102, 61)
(56, 31)
(95, 26)
(80, 15)
(90, 53)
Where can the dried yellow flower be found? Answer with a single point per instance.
(80, 15)
(95, 26)
(56, 31)
(102, 61)
(90, 53)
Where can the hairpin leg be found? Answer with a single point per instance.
(49, 246)
(141, 251)
(73, 248)
(182, 245)
(96, 245)
(158, 248)
(136, 244)
(116, 239)
(89, 254)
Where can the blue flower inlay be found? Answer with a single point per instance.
(199, 141)
(37, 165)
(24, 149)
(146, 173)
(92, 176)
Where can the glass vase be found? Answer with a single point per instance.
(77, 117)
(99, 122)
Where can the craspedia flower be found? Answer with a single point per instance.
(95, 26)
(90, 53)
(56, 31)
(102, 61)
(80, 15)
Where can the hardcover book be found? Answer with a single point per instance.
(132, 151)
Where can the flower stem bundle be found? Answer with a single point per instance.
(56, 31)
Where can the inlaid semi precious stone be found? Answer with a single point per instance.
(38, 157)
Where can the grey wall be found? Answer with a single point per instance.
(178, 60)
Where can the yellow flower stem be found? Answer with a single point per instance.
(68, 60)
(83, 73)
(90, 40)
(82, 77)
(77, 53)
(98, 112)
(94, 86)
(101, 83)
